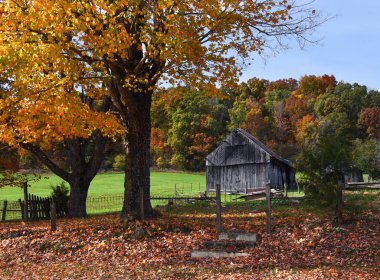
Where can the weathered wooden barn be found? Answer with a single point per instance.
(242, 164)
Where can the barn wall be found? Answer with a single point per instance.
(237, 150)
(237, 178)
(239, 164)
(281, 174)
(353, 176)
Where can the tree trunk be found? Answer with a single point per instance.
(137, 146)
(78, 196)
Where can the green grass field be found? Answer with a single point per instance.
(162, 183)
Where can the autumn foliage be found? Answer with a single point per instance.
(304, 245)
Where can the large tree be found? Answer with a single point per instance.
(129, 46)
(61, 133)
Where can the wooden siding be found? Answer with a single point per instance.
(353, 176)
(237, 150)
(242, 164)
(240, 178)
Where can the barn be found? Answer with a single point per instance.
(242, 164)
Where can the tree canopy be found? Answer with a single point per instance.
(53, 49)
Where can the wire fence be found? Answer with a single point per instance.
(182, 194)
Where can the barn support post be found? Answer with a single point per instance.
(218, 209)
(25, 187)
(268, 207)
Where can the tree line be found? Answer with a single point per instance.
(287, 115)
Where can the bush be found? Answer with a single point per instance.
(119, 162)
(61, 196)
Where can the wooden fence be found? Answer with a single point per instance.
(34, 208)
(362, 186)
(37, 207)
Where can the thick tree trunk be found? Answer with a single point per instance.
(137, 146)
(78, 196)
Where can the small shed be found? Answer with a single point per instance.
(353, 175)
(242, 164)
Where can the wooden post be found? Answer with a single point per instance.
(175, 189)
(4, 210)
(22, 208)
(218, 209)
(268, 210)
(286, 190)
(25, 186)
(142, 214)
(339, 203)
(53, 215)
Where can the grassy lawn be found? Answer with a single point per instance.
(162, 183)
(106, 191)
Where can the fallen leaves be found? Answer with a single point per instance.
(302, 246)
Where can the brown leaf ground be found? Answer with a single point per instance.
(304, 245)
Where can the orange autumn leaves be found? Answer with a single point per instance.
(53, 52)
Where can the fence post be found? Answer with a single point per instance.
(286, 190)
(142, 214)
(218, 209)
(25, 186)
(4, 210)
(175, 189)
(53, 215)
(268, 210)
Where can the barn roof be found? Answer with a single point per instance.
(250, 137)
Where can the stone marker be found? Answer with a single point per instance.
(238, 236)
(208, 254)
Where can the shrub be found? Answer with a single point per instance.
(119, 162)
(61, 196)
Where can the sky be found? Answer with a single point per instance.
(349, 48)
